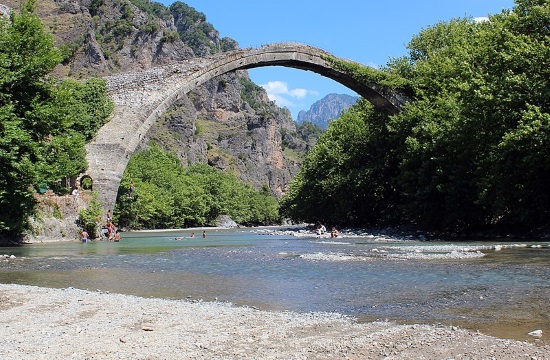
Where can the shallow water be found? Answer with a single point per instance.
(504, 293)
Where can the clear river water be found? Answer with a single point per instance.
(496, 287)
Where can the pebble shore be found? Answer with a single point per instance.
(44, 323)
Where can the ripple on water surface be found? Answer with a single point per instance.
(479, 285)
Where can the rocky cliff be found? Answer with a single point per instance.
(328, 108)
(225, 131)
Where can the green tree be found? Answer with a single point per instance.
(470, 151)
(27, 55)
(478, 86)
(168, 195)
(43, 125)
(90, 218)
(349, 176)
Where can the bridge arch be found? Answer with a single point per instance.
(142, 97)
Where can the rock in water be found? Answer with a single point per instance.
(537, 333)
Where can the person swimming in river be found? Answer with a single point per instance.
(334, 232)
(84, 236)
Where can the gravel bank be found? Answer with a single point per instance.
(42, 323)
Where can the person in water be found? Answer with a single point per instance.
(84, 236)
(203, 234)
(110, 231)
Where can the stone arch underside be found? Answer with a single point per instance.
(141, 98)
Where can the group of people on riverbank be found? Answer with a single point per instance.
(108, 231)
(320, 230)
(111, 231)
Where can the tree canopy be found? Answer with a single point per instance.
(44, 124)
(167, 195)
(471, 151)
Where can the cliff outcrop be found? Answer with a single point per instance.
(226, 132)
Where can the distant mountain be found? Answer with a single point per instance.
(328, 108)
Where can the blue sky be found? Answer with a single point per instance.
(369, 32)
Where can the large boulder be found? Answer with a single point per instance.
(226, 222)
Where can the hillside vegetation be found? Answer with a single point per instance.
(167, 195)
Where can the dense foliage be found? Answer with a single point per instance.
(43, 124)
(307, 130)
(347, 177)
(167, 195)
(471, 151)
(196, 32)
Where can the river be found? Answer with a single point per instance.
(497, 287)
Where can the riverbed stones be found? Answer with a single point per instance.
(106, 325)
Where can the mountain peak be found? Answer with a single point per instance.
(328, 108)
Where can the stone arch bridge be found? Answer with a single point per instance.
(142, 97)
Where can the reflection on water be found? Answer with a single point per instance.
(504, 293)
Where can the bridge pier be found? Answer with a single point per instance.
(106, 168)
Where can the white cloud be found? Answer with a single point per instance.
(279, 92)
(281, 100)
(373, 65)
(298, 93)
(275, 87)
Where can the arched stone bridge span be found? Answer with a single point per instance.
(141, 97)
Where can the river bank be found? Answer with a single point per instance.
(63, 323)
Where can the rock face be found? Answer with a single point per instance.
(227, 133)
(57, 218)
(228, 123)
(226, 222)
(328, 108)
